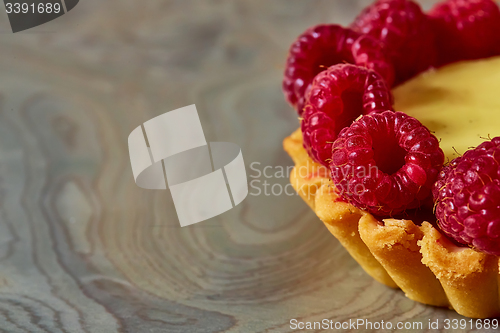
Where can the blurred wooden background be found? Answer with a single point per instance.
(83, 249)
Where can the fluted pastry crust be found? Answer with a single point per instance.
(399, 253)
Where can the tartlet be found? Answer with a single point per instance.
(339, 79)
(414, 255)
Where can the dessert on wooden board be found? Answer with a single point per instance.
(396, 151)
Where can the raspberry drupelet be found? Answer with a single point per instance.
(466, 29)
(385, 163)
(467, 198)
(405, 33)
(325, 45)
(336, 98)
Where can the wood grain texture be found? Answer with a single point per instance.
(83, 249)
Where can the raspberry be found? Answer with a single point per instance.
(467, 198)
(466, 29)
(336, 98)
(322, 46)
(385, 163)
(405, 32)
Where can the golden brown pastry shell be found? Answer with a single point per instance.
(418, 259)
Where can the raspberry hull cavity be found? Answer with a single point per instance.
(467, 198)
(325, 45)
(386, 163)
(336, 98)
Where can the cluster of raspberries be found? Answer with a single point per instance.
(385, 162)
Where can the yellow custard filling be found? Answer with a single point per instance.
(460, 103)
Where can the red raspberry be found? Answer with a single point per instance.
(322, 46)
(467, 198)
(405, 32)
(386, 163)
(336, 98)
(466, 29)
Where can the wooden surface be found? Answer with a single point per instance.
(83, 249)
